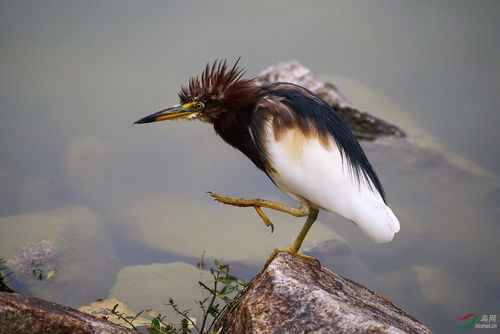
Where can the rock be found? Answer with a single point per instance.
(362, 124)
(103, 308)
(292, 295)
(439, 287)
(158, 282)
(339, 255)
(43, 255)
(71, 240)
(21, 314)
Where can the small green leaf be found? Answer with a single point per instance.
(224, 288)
(206, 287)
(213, 311)
(155, 323)
(225, 280)
(201, 262)
(137, 315)
(113, 310)
(227, 290)
(38, 273)
(51, 273)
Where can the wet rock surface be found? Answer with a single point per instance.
(362, 124)
(21, 314)
(193, 220)
(292, 295)
(41, 255)
(70, 242)
(159, 282)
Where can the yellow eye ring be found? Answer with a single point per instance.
(199, 106)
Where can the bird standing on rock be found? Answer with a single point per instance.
(294, 137)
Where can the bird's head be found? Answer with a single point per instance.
(218, 90)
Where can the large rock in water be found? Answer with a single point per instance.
(21, 314)
(362, 124)
(292, 295)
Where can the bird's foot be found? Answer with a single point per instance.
(264, 218)
(258, 204)
(301, 211)
(243, 202)
(293, 252)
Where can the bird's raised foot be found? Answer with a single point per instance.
(263, 216)
(258, 204)
(243, 202)
(301, 211)
(293, 252)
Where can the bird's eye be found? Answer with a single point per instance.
(199, 106)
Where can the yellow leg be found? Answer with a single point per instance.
(294, 249)
(289, 251)
(301, 211)
(311, 218)
(257, 203)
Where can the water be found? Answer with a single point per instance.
(106, 195)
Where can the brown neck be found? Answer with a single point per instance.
(234, 122)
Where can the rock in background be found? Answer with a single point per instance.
(362, 124)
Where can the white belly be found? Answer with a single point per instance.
(306, 170)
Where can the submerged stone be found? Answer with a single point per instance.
(226, 233)
(70, 242)
(151, 286)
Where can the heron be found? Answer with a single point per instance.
(297, 140)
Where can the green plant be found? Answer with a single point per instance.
(3, 277)
(223, 289)
(38, 273)
(128, 319)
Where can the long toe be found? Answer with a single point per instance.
(293, 252)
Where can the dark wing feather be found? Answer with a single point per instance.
(313, 113)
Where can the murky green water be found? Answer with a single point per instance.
(105, 202)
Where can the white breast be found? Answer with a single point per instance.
(305, 169)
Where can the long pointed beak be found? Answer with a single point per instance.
(174, 112)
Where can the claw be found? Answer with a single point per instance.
(263, 216)
(292, 252)
(257, 204)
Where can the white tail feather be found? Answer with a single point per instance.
(305, 169)
(380, 225)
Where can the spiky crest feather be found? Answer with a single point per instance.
(214, 81)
